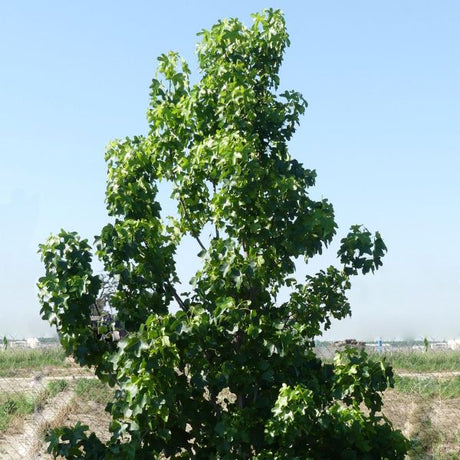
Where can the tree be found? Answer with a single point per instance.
(227, 370)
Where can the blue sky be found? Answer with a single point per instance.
(382, 131)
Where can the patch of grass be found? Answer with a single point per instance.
(14, 405)
(428, 439)
(11, 360)
(439, 454)
(429, 387)
(423, 435)
(51, 390)
(420, 361)
(17, 405)
(56, 386)
(93, 390)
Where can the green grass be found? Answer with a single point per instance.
(419, 361)
(429, 387)
(93, 390)
(11, 360)
(14, 405)
(51, 390)
(55, 387)
(428, 439)
(18, 405)
(424, 436)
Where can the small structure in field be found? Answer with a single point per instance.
(349, 343)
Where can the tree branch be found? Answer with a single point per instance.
(194, 233)
(215, 225)
(177, 297)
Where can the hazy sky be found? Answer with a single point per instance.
(382, 130)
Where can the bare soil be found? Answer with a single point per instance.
(433, 424)
(24, 437)
(88, 413)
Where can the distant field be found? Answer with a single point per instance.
(411, 360)
(13, 360)
(442, 388)
(420, 361)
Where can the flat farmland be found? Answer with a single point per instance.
(42, 389)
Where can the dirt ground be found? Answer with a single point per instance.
(88, 413)
(24, 437)
(433, 424)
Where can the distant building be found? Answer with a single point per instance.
(418, 347)
(17, 343)
(383, 348)
(439, 346)
(454, 344)
(33, 342)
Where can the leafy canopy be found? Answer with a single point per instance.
(226, 370)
